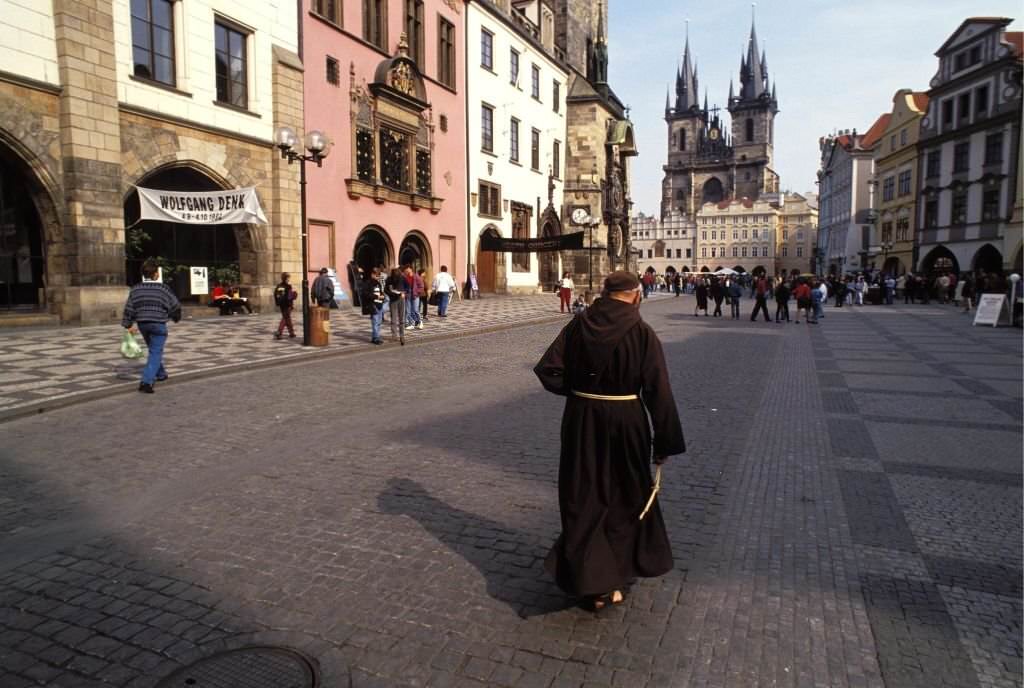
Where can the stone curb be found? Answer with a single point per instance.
(46, 405)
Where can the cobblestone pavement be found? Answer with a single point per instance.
(848, 515)
(41, 368)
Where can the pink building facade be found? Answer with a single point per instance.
(385, 80)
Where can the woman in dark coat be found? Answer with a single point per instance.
(702, 297)
(718, 294)
(610, 366)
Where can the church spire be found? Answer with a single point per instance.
(753, 66)
(687, 85)
(601, 50)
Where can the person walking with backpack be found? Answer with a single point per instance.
(443, 285)
(284, 298)
(322, 291)
(150, 305)
(394, 288)
(760, 299)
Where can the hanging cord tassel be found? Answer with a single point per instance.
(654, 493)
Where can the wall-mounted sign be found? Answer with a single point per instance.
(201, 207)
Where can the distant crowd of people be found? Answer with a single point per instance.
(961, 290)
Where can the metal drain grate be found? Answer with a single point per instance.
(249, 667)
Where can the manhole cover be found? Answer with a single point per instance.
(250, 667)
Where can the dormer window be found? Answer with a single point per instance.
(967, 58)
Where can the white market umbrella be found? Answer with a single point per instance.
(725, 271)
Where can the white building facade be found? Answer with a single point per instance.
(516, 87)
(844, 223)
(663, 245)
(968, 152)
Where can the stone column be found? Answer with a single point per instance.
(285, 216)
(93, 287)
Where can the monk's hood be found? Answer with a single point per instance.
(599, 330)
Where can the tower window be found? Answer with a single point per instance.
(682, 139)
(750, 129)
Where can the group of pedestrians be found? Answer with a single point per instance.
(402, 293)
(809, 294)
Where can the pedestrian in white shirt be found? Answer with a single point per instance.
(443, 285)
(565, 290)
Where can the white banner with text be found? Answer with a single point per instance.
(201, 207)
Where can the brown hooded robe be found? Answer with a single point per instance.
(604, 477)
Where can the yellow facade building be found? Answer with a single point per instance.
(892, 243)
(739, 234)
(797, 235)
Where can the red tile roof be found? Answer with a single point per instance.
(921, 101)
(872, 136)
(1016, 39)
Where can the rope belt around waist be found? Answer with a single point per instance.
(606, 397)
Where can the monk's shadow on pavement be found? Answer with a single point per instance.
(510, 566)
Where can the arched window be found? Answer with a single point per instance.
(750, 129)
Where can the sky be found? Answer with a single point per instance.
(837, 66)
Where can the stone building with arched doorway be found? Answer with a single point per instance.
(78, 135)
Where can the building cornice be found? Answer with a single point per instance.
(489, 7)
(1007, 117)
(34, 84)
(190, 124)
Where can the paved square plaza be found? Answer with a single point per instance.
(848, 514)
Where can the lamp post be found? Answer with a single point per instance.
(886, 246)
(316, 145)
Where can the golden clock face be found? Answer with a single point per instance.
(713, 134)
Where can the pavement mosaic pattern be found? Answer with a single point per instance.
(824, 535)
(41, 366)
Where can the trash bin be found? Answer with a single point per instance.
(875, 294)
(319, 326)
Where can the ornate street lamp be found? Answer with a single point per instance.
(316, 144)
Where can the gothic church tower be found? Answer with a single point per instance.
(753, 124)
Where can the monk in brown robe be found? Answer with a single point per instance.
(610, 366)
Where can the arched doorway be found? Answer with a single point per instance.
(372, 248)
(685, 269)
(177, 246)
(893, 267)
(940, 260)
(490, 265)
(739, 268)
(713, 191)
(988, 259)
(415, 251)
(759, 271)
(22, 258)
(705, 269)
(548, 261)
